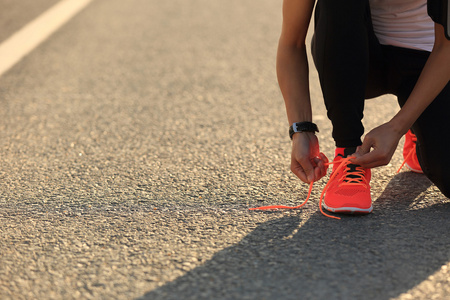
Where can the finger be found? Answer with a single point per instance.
(365, 147)
(358, 152)
(298, 170)
(325, 163)
(370, 160)
(317, 174)
(323, 157)
(321, 168)
(321, 162)
(308, 168)
(362, 151)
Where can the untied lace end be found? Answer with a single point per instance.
(275, 207)
(343, 163)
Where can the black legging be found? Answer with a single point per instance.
(353, 66)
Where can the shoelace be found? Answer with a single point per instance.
(411, 152)
(357, 179)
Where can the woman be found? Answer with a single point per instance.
(363, 49)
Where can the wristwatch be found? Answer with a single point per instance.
(302, 127)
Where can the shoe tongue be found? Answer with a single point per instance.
(352, 167)
(349, 151)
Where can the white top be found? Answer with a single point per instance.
(403, 23)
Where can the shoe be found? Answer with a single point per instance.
(348, 189)
(409, 153)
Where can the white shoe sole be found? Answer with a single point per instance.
(413, 170)
(348, 210)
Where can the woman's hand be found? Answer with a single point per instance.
(306, 160)
(384, 140)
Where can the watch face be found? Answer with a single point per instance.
(302, 127)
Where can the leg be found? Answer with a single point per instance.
(433, 144)
(432, 126)
(347, 54)
(345, 51)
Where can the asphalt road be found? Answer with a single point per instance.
(133, 142)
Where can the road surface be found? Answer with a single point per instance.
(134, 140)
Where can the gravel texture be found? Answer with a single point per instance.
(133, 142)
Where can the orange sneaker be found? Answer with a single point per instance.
(348, 187)
(409, 153)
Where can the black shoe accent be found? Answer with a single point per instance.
(347, 152)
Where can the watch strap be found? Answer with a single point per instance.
(302, 127)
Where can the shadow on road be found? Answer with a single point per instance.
(378, 256)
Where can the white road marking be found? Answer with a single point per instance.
(31, 35)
